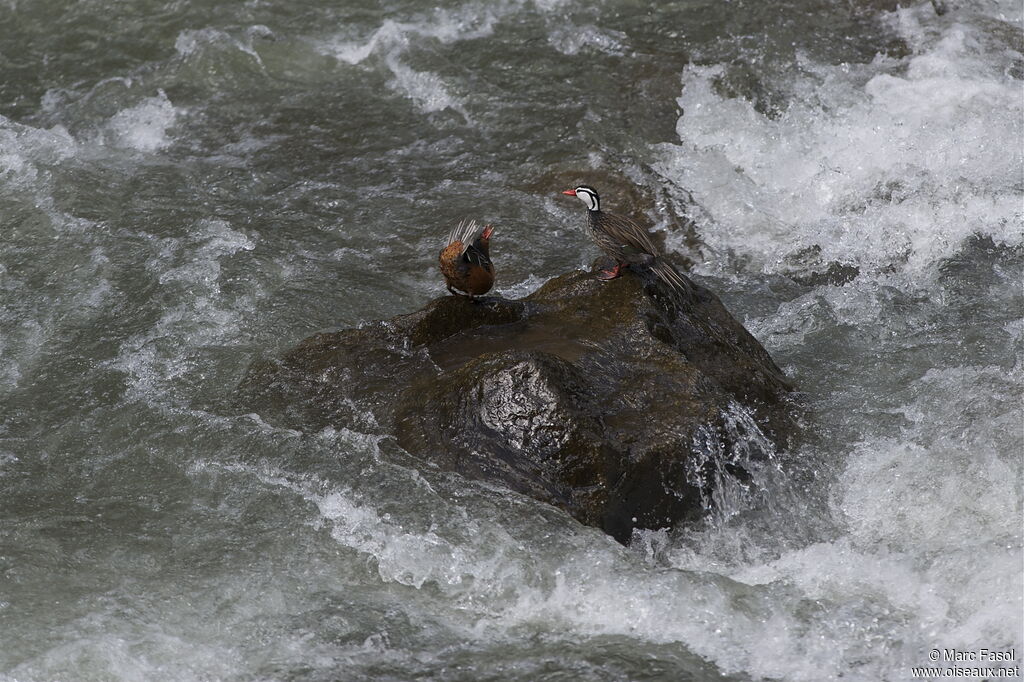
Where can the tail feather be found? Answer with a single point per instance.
(671, 277)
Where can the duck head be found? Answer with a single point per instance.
(586, 194)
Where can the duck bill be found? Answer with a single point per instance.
(486, 234)
(570, 192)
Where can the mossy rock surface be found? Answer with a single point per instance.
(610, 400)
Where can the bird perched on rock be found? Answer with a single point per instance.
(466, 262)
(625, 241)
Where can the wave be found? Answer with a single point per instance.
(888, 166)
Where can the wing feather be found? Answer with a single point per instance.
(465, 232)
(628, 233)
(637, 248)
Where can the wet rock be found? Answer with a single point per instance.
(808, 268)
(612, 400)
(740, 79)
(837, 274)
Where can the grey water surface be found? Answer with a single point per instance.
(188, 186)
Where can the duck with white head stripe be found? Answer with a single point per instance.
(625, 241)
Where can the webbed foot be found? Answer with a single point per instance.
(606, 275)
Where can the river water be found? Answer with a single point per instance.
(187, 186)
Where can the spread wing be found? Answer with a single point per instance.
(465, 232)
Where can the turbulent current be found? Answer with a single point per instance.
(188, 186)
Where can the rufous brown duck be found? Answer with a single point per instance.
(466, 261)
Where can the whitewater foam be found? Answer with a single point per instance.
(392, 40)
(192, 43)
(445, 25)
(889, 165)
(144, 127)
(26, 151)
(196, 314)
(570, 40)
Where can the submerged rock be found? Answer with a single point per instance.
(612, 400)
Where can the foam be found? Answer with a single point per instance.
(571, 40)
(447, 26)
(392, 39)
(886, 165)
(523, 288)
(192, 43)
(504, 577)
(198, 316)
(215, 239)
(900, 576)
(427, 90)
(28, 156)
(20, 344)
(914, 513)
(144, 127)
(405, 551)
(90, 651)
(25, 151)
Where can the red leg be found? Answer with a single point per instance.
(610, 274)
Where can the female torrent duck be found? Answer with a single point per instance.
(466, 262)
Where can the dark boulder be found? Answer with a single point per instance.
(611, 400)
